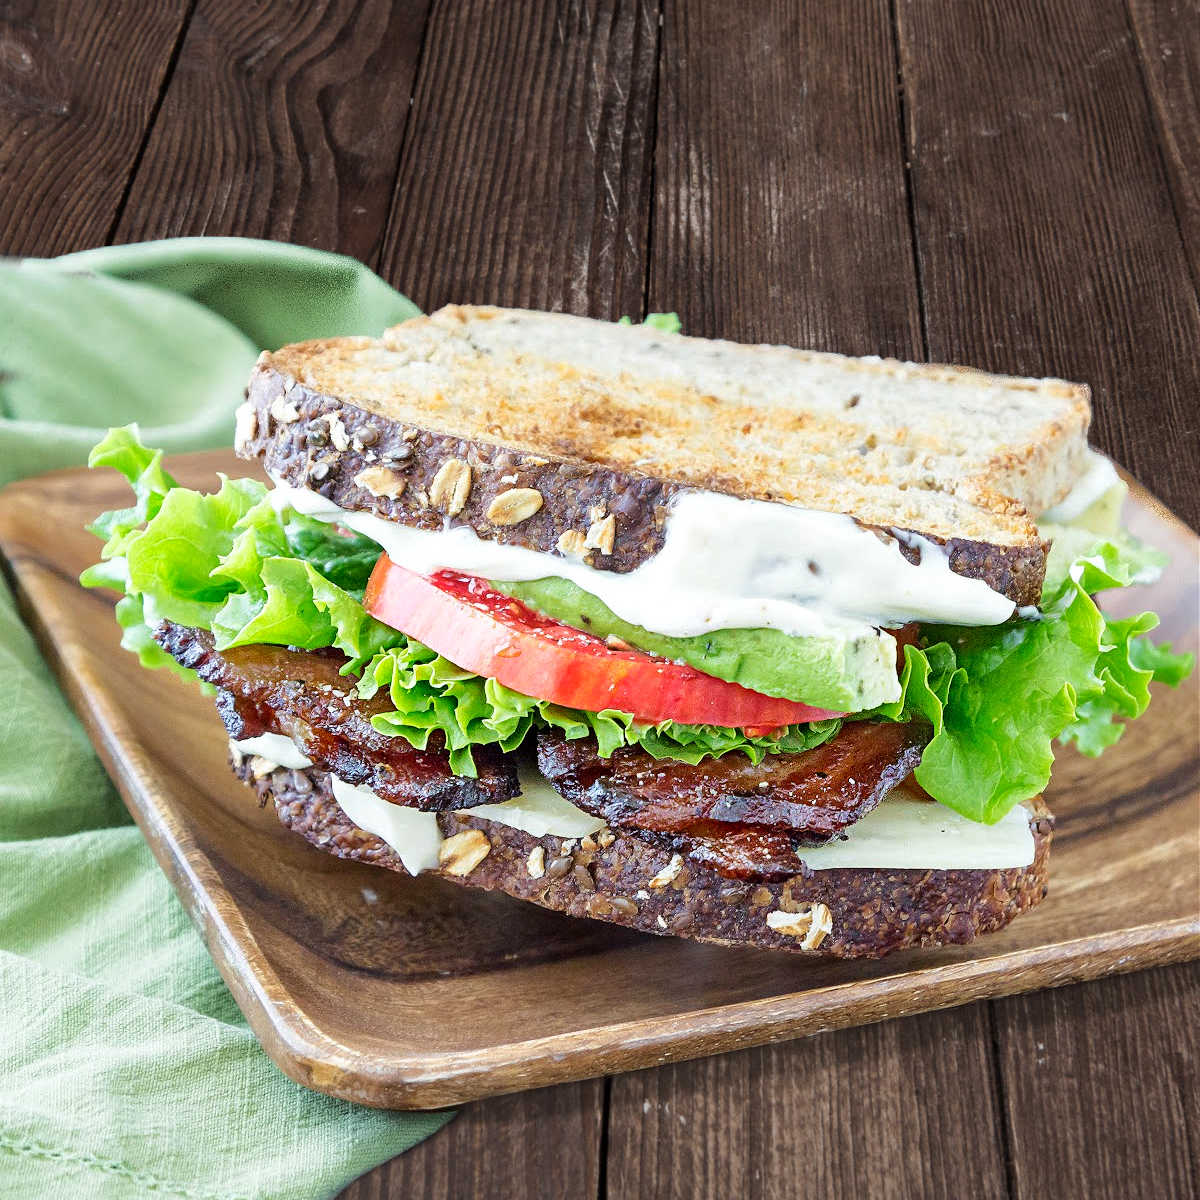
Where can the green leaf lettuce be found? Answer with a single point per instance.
(995, 698)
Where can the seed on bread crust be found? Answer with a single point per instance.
(461, 853)
(398, 456)
(572, 543)
(536, 862)
(602, 534)
(556, 868)
(812, 926)
(284, 411)
(337, 431)
(669, 873)
(245, 425)
(822, 927)
(381, 481)
(513, 506)
(451, 486)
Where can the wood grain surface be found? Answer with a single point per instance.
(69, 139)
(525, 180)
(1044, 222)
(1168, 42)
(281, 121)
(724, 1126)
(82, 94)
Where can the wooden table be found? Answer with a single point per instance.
(1012, 186)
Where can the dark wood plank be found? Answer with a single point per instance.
(780, 210)
(1048, 241)
(1101, 1087)
(525, 179)
(1168, 41)
(543, 1143)
(78, 86)
(895, 1110)
(281, 121)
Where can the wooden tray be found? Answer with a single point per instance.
(415, 993)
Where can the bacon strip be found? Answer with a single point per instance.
(810, 796)
(300, 694)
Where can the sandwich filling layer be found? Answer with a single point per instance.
(453, 668)
(904, 832)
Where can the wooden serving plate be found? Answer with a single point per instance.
(415, 993)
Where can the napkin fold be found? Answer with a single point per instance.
(126, 1069)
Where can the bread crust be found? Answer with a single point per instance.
(365, 462)
(870, 913)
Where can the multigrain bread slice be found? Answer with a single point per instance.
(449, 415)
(637, 881)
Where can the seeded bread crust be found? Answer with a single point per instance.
(611, 518)
(640, 883)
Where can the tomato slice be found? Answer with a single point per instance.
(482, 630)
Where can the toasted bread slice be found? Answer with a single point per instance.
(633, 880)
(595, 416)
(819, 430)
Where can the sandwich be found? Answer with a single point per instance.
(744, 644)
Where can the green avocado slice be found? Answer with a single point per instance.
(846, 674)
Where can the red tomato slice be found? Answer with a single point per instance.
(482, 630)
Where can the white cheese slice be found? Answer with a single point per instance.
(275, 749)
(539, 810)
(905, 832)
(414, 835)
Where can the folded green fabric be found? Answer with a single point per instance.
(126, 1069)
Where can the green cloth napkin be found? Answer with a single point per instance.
(126, 1069)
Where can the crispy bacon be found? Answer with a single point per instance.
(743, 852)
(810, 796)
(300, 694)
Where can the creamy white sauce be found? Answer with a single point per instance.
(276, 749)
(1098, 477)
(906, 832)
(725, 563)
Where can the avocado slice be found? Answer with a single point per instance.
(846, 674)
